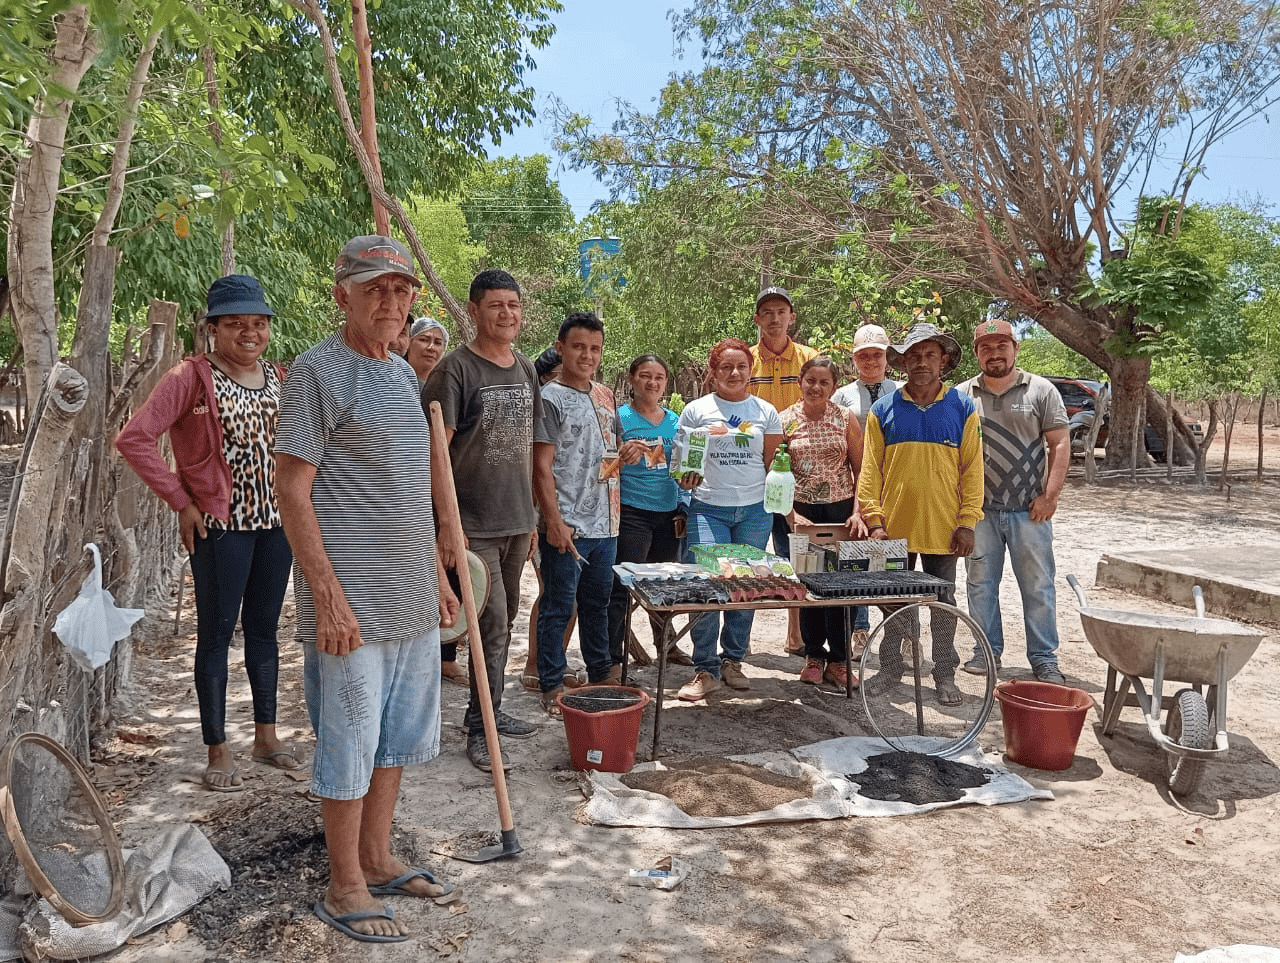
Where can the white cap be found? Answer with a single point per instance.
(870, 336)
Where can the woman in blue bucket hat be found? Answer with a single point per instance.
(219, 411)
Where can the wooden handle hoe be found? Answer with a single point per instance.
(509, 846)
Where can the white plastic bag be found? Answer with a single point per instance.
(91, 625)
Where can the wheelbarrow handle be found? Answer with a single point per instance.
(1075, 586)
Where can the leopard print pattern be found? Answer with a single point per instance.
(248, 417)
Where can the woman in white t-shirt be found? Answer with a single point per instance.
(742, 432)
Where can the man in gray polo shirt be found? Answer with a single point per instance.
(1026, 451)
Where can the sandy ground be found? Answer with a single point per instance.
(1113, 868)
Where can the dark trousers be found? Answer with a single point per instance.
(238, 575)
(643, 536)
(823, 630)
(504, 555)
(942, 626)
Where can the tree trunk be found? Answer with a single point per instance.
(35, 195)
(1262, 410)
(30, 530)
(1228, 428)
(1129, 381)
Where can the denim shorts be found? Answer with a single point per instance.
(376, 708)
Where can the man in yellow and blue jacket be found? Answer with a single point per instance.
(922, 481)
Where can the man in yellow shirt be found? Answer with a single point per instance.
(776, 361)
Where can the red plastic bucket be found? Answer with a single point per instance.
(603, 739)
(1042, 722)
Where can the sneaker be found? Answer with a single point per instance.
(511, 726)
(478, 752)
(838, 675)
(812, 672)
(1049, 672)
(978, 664)
(698, 687)
(731, 673)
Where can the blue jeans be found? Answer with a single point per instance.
(377, 707)
(563, 583)
(725, 524)
(238, 575)
(1030, 548)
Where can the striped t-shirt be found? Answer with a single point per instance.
(357, 419)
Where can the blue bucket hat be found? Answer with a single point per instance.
(237, 294)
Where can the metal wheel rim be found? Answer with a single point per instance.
(963, 742)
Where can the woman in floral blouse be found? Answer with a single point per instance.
(825, 444)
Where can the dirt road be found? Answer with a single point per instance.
(1112, 869)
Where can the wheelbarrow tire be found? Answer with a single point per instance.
(1187, 725)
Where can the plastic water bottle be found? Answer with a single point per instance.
(780, 484)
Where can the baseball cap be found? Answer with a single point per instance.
(994, 328)
(237, 294)
(870, 336)
(774, 292)
(371, 256)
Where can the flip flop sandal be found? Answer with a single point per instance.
(531, 682)
(396, 887)
(233, 774)
(549, 704)
(575, 680)
(343, 923)
(277, 759)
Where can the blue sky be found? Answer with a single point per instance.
(605, 52)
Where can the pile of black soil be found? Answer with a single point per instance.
(279, 868)
(913, 777)
(601, 700)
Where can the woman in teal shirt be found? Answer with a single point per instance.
(646, 530)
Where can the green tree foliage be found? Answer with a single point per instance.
(1233, 342)
(270, 156)
(978, 145)
(517, 214)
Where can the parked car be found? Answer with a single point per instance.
(1080, 395)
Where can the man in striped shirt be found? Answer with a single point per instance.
(353, 454)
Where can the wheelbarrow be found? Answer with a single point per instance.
(1201, 652)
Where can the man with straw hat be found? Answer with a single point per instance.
(922, 481)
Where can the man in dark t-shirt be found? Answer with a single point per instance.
(489, 399)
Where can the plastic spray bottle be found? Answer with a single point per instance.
(780, 484)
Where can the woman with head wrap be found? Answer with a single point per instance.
(428, 341)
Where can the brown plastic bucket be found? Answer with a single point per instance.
(603, 739)
(1042, 722)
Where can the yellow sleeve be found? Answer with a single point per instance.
(971, 480)
(871, 480)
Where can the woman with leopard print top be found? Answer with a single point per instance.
(219, 411)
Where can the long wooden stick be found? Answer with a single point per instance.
(442, 474)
